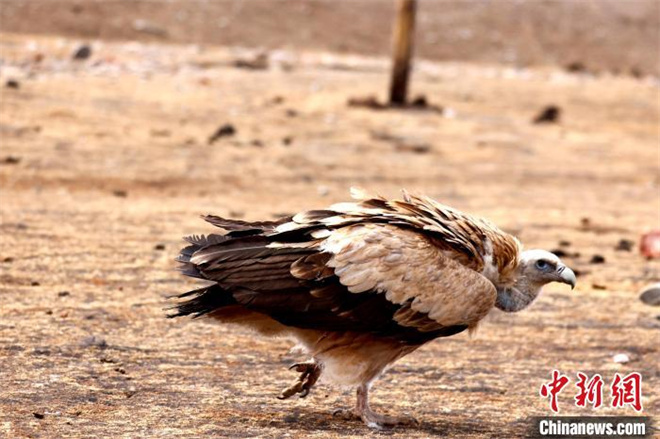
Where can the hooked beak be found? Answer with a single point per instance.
(567, 276)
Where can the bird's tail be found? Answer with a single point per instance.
(202, 301)
(213, 297)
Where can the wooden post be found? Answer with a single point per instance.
(404, 30)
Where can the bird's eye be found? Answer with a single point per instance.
(542, 265)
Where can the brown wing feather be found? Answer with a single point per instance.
(409, 270)
(447, 228)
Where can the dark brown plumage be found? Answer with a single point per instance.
(362, 284)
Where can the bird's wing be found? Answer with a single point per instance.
(406, 268)
(409, 271)
(471, 241)
(372, 278)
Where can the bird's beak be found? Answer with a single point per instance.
(567, 276)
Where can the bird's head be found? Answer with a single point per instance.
(535, 269)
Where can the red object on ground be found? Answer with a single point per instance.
(650, 244)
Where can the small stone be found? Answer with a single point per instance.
(625, 245)
(8, 260)
(82, 52)
(549, 114)
(650, 295)
(259, 61)
(12, 83)
(34, 283)
(120, 193)
(559, 253)
(225, 130)
(576, 67)
(597, 259)
(420, 101)
(63, 294)
(621, 358)
(11, 160)
(38, 415)
(159, 247)
(564, 243)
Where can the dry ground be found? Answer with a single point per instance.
(603, 35)
(113, 167)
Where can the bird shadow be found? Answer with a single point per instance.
(309, 420)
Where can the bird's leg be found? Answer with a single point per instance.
(310, 372)
(374, 420)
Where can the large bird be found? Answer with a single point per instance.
(361, 284)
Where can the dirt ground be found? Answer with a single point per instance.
(603, 35)
(106, 162)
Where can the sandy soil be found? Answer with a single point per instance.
(105, 163)
(604, 35)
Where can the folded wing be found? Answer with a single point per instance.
(362, 277)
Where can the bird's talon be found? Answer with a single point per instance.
(309, 374)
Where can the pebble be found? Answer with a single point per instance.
(82, 52)
(12, 83)
(650, 295)
(621, 358)
(225, 130)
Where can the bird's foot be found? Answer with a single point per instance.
(374, 420)
(310, 372)
(379, 422)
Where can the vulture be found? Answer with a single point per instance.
(361, 284)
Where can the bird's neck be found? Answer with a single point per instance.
(518, 296)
